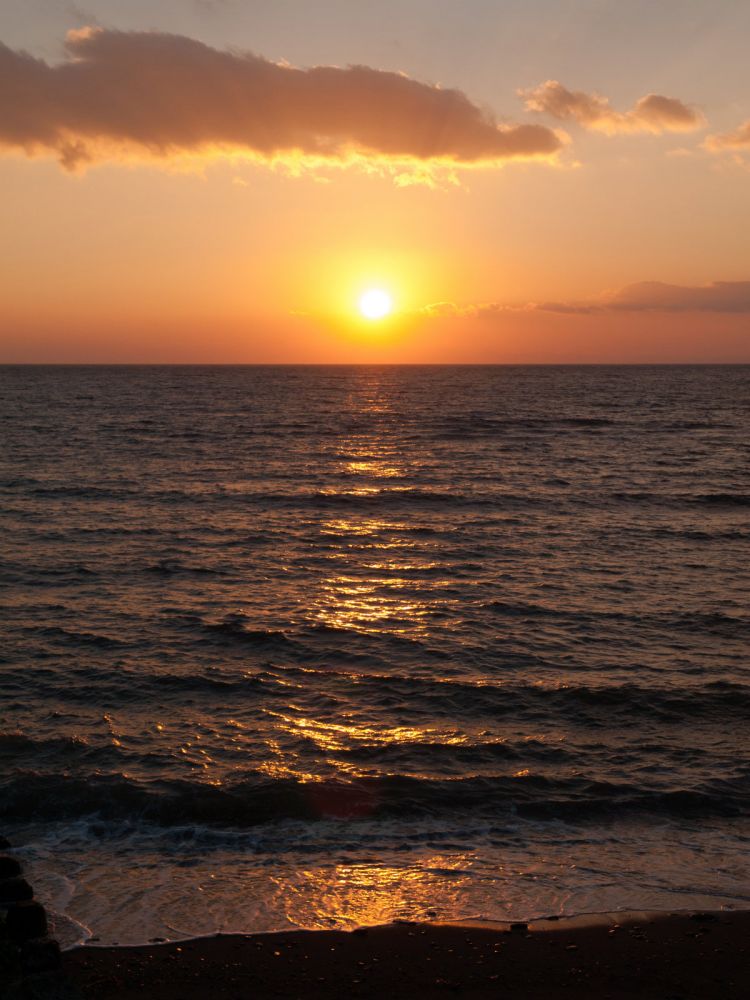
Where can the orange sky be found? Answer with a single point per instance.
(168, 197)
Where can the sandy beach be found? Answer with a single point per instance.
(611, 957)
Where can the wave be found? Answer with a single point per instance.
(482, 426)
(45, 576)
(298, 643)
(693, 534)
(81, 638)
(174, 567)
(593, 706)
(255, 799)
(463, 495)
(712, 622)
(724, 499)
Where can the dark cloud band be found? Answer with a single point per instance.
(719, 296)
(163, 95)
(642, 296)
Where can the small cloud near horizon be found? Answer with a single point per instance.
(642, 296)
(120, 95)
(653, 113)
(718, 296)
(436, 310)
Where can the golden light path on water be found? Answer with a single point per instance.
(381, 582)
(365, 592)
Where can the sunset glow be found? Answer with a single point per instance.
(234, 175)
(374, 408)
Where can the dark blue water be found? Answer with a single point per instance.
(330, 645)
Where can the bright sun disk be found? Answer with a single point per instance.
(375, 303)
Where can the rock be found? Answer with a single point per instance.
(26, 920)
(9, 867)
(10, 966)
(4, 844)
(40, 955)
(13, 890)
(519, 927)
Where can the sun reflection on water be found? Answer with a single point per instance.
(367, 592)
(369, 606)
(357, 895)
(379, 577)
(333, 736)
(374, 467)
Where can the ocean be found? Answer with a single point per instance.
(332, 646)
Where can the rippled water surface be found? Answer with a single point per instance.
(329, 646)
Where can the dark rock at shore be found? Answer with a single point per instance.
(40, 955)
(26, 920)
(9, 867)
(15, 890)
(4, 844)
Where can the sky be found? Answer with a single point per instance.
(529, 181)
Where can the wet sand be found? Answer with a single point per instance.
(610, 957)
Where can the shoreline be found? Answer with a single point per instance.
(629, 954)
(569, 921)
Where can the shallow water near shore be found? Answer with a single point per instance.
(325, 647)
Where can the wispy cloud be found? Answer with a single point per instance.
(653, 113)
(642, 296)
(736, 141)
(437, 310)
(719, 296)
(124, 94)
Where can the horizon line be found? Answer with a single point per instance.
(372, 364)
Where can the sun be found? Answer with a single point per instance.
(375, 303)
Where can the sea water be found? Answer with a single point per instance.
(331, 646)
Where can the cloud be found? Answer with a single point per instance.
(123, 94)
(652, 113)
(438, 310)
(643, 296)
(736, 141)
(719, 297)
